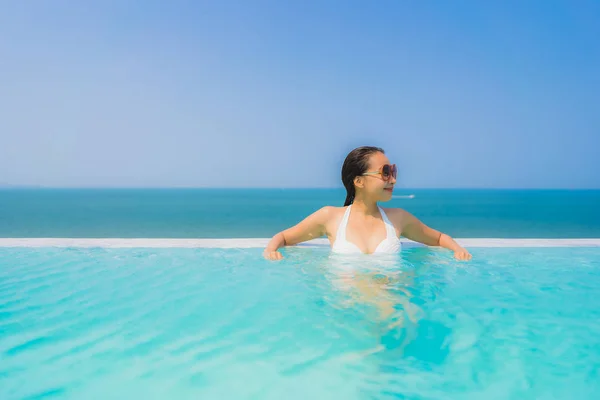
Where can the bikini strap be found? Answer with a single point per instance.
(389, 227)
(341, 233)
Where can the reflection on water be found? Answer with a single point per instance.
(388, 294)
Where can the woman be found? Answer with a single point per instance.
(361, 226)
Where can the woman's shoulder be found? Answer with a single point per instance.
(330, 214)
(396, 215)
(393, 210)
(331, 211)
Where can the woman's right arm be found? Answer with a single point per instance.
(311, 227)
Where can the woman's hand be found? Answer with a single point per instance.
(272, 255)
(462, 254)
(309, 228)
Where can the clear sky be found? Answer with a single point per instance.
(274, 93)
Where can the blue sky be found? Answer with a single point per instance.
(499, 94)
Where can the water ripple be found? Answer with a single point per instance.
(165, 323)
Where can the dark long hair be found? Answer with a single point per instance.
(356, 164)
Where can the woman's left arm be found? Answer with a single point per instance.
(413, 229)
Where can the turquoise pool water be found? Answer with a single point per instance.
(225, 324)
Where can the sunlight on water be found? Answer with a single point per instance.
(224, 323)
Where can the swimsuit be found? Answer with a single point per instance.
(391, 244)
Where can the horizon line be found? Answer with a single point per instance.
(403, 189)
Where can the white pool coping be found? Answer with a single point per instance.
(262, 242)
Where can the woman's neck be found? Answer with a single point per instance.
(365, 206)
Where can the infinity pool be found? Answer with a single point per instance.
(212, 323)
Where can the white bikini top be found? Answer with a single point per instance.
(391, 244)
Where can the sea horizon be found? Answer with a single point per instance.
(29, 187)
(262, 212)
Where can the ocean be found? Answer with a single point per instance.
(260, 213)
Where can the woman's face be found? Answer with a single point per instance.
(374, 185)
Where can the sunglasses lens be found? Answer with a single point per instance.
(385, 172)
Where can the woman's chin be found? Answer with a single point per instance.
(387, 195)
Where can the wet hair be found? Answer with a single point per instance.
(356, 164)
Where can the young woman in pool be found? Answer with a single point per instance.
(361, 226)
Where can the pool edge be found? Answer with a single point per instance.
(262, 242)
